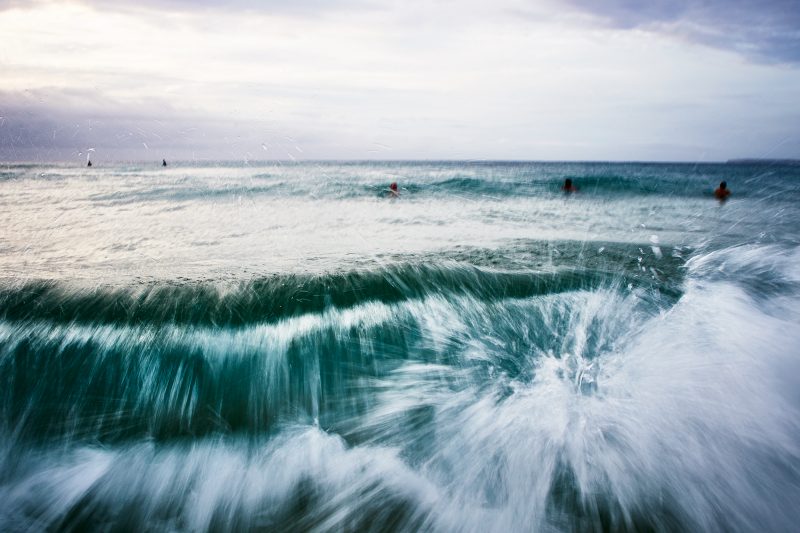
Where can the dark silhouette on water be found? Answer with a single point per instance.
(568, 186)
(722, 192)
(163, 162)
(89, 163)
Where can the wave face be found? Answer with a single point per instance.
(642, 383)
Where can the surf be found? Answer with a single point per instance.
(470, 357)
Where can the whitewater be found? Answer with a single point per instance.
(287, 347)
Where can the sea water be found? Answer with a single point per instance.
(288, 347)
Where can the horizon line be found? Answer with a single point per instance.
(246, 162)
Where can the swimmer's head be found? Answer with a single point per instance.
(393, 186)
(567, 183)
(723, 185)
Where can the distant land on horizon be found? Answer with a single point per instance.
(758, 160)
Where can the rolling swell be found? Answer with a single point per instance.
(235, 304)
(165, 361)
(267, 300)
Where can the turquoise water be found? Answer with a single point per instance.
(286, 347)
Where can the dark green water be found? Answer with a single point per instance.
(284, 348)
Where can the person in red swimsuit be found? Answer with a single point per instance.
(393, 192)
(722, 192)
(568, 186)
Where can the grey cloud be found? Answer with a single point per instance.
(54, 124)
(60, 125)
(766, 30)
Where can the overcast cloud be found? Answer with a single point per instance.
(764, 30)
(358, 79)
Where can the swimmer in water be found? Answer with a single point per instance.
(722, 192)
(393, 192)
(568, 186)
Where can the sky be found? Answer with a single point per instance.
(247, 80)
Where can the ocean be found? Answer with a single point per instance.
(288, 347)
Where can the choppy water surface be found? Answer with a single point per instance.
(285, 347)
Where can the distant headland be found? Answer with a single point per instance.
(759, 161)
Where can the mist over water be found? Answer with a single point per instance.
(286, 347)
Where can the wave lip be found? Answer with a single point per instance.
(523, 269)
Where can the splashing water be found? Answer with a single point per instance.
(230, 348)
